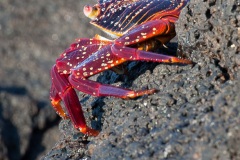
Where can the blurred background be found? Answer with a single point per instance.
(32, 35)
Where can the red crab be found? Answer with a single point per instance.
(138, 27)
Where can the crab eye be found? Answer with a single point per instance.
(91, 12)
(87, 10)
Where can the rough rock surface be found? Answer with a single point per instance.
(195, 114)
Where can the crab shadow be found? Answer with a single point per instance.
(134, 70)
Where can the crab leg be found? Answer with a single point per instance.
(135, 54)
(56, 100)
(79, 51)
(83, 42)
(98, 89)
(64, 91)
(156, 28)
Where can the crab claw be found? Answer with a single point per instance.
(91, 12)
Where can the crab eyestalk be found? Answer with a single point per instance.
(91, 11)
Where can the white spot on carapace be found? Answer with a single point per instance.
(85, 74)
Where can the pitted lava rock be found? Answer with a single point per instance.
(213, 28)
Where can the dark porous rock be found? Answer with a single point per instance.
(195, 114)
(211, 29)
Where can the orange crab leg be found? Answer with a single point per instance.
(56, 100)
(135, 54)
(98, 89)
(71, 101)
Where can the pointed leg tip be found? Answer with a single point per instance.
(140, 93)
(65, 116)
(89, 131)
(151, 91)
(58, 108)
(179, 60)
(187, 61)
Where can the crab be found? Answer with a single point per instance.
(138, 27)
